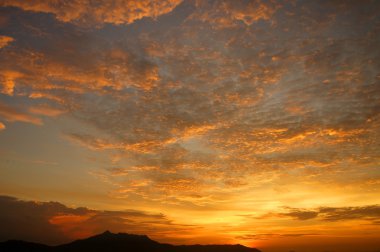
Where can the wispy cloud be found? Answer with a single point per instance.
(12, 114)
(370, 213)
(46, 110)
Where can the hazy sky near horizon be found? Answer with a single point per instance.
(192, 121)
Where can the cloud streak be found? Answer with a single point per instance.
(11, 114)
(332, 214)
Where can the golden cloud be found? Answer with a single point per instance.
(85, 12)
(227, 14)
(110, 70)
(8, 81)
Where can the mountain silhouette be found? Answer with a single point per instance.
(120, 242)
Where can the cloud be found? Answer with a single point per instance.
(52, 74)
(33, 217)
(302, 214)
(280, 93)
(92, 142)
(86, 12)
(2, 126)
(46, 110)
(332, 214)
(5, 40)
(8, 78)
(54, 223)
(43, 162)
(11, 114)
(349, 213)
(227, 14)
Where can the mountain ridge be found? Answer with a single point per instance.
(118, 242)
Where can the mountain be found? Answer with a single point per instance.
(120, 242)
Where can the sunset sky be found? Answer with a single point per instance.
(192, 121)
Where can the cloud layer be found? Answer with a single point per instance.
(211, 108)
(184, 103)
(90, 13)
(371, 213)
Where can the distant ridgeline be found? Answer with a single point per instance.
(109, 242)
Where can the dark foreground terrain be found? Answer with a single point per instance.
(118, 242)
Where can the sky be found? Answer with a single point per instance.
(192, 121)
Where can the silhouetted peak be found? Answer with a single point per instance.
(108, 236)
(123, 235)
(107, 232)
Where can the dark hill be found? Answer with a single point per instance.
(120, 242)
(21, 246)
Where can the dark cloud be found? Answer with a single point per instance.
(348, 213)
(54, 223)
(301, 214)
(30, 220)
(370, 213)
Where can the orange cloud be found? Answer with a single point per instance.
(13, 115)
(8, 78)
(2, 126)
(85, 12)
(110, 70)
(227, 14)
(69, 223)
(5, 40)
(46, 110)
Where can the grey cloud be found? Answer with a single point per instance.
(54, 223)
(302, 214)
(348, 213)
(33, 218)
(369, 212)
